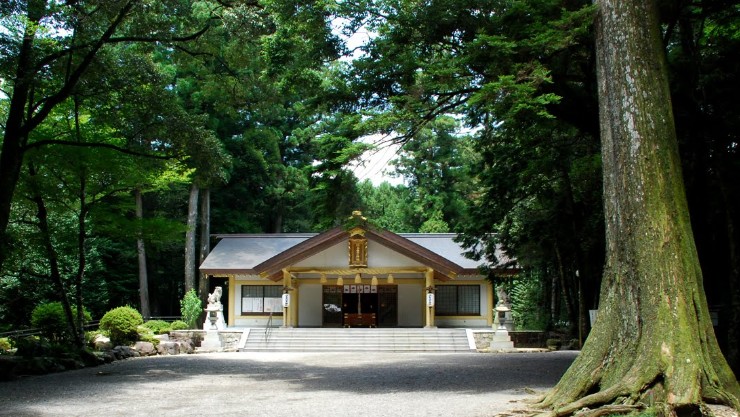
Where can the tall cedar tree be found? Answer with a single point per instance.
(653, 341)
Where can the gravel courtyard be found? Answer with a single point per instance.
(291, 384)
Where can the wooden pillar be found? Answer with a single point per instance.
(429, 287)
(294, 303)
(286, 310)
(490, 304)
(232, 300)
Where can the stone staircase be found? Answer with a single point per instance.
(355, 340)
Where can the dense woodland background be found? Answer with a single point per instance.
(247, 115)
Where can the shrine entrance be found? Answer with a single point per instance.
(360, 305)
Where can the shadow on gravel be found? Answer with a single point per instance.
(361, 374)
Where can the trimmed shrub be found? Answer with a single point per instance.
(158, 326)
(121, 323)
(5, 344)
(50, 319)
(146, 335)
(190, 308)
(178, 325)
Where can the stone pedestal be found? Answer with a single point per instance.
(211, 342)
(501, 340)
(214, 319)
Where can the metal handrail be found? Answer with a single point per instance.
(93, 324)
(268, 328)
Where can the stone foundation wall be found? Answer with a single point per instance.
(229, 339)
(521, 338)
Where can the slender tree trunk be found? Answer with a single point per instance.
(570, 308)
(141, 251)
(554, 298)
(653, 341)
(190, 238)
(81, 257)
(81, 234)
(42, 215)
(205, 239)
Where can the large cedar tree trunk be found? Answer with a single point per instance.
(653, 341)
(141, 251)
(190, 238)
(205, 239)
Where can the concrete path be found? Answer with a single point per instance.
(291, 384)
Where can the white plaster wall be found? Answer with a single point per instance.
(378, 256)
(309, 305)
(485, 307)
(334, 257)
(258, 321)
(409, 305)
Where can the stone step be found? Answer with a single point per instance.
(349, 340)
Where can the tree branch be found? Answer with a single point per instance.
(95, 145)
(75, 76)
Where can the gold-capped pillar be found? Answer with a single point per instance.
(429, 298)
(294, 300)
(286, 292)
(232, 300)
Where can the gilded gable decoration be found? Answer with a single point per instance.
(357, 248)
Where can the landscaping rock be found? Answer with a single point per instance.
(145, 348)
(162, 337)
(102, 342)
(124, 352)
(168, 348)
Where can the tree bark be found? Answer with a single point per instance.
(205, 239)
(141, 251)
(653, 342)
(190, 238)
(14, 138)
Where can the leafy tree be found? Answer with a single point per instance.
(385, 205)
(436, 167)
(191, 308)
(49, 49)
(520, 75)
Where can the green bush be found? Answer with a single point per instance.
(528, 300)
(121, 324)
(158, 326)
(50, 319)
(146, 335)
(178, 325)
(190, 309)
(5, 344)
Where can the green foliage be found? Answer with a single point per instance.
(5, 344)
(51, 320)
(146, 334)
(528, 300)
(121, 323)
(191, 309)
(158, 326)
(179, 325)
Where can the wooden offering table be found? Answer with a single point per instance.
(359, 320)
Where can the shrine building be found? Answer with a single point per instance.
(360, 276)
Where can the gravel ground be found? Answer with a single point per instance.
(291, 384)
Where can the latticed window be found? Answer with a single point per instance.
(262, 299)
(457, 300)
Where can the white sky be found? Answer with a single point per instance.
(375, 164)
